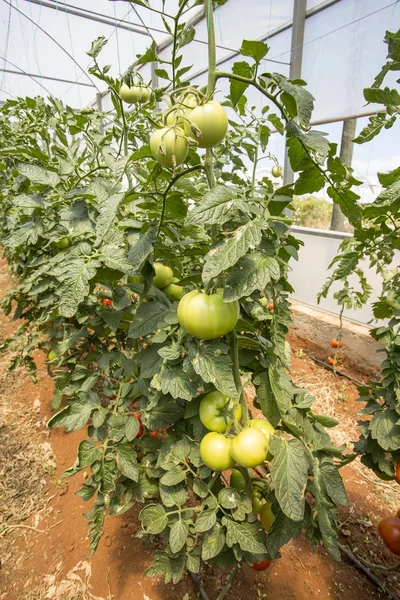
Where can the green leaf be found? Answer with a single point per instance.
(254, 49)
(173, 476)
(126, 462)
(332, 483)
(205, 521)
(107, 213)
(97, 46)
(237, 88)
(281, 387)
(39, 175)
(154, 519)
(173, 380)
(131, 428)
(178, 535)
(147, 319)
(75, 415)
(385, 428)
(252, 272)
(247, 535)
(172, 568)
(226, 254)
(88, 453)
(328, 532)
(266, 399)
(213, 366)
(143, 247)
(215, 207)
(386, 96)
(228, 498)
(304, 101)
(200, 488)
(289, 472)
(75, 287)
(282, 531)
(213, 542)
(173, 495)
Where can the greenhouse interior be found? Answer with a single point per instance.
(200, 246)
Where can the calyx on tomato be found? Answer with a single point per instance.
(389, 530)
(216, 409)
(207, 316)
(215, 451)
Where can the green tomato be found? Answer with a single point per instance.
(257, 500)
(210, 411)
(207, 316)
(187, 100)
(211, 124)
(267, 516)
(249, 447)
(134, 93)
(237, 481)
(173, 291)
(163, 276)
(215, 451)
(277, 171)
(52, 355)
(62, 243)
(264, 426)
(169, 146)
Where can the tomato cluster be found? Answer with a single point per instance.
(135, 94)
(190, 120)
(248, 448)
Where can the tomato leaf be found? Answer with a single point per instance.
(126, 462)
(251, 272)
(254, 49)
(154, 519)
(282, 531)
(213, 542)
(173, 380)
(147, 319)
(385, 428)
(178, 535)
(289, 470)
(88, 453)
(249, 536)
(213, 365)
(216, 207)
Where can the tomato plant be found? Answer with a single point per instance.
(139, 202)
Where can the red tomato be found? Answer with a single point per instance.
(154, 434)
(271, 306)
(261, 566)
(138, 416)
(332, 361)
(389, 530)
(397, 476)
(106, 301)
(335, 343)
(140, 432)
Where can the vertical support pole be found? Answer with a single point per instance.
(346, 156)
(296, 59)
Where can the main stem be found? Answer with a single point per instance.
(212, 68)
(236, 376)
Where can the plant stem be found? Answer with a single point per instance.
(228, 584)
(236, 376)
(212, 68)
(175, 42)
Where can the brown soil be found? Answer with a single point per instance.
(43, 543)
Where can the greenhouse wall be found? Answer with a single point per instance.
(311, 271)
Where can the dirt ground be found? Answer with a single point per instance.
(43, 545)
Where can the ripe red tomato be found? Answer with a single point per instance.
(140, 432)
(210, 124)
(215, 451)
(389, 530)
(154, 434)
(398, 514)
(138, 416)
(207, 316)
(169, 146)
(249, 447)
(332, 361)
(271, 306)
(210, 411)
(261, 566)
(397, 476)
(335, 343)
(106, 301)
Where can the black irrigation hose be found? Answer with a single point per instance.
(201, 590)
(368, 573)
(335, 371)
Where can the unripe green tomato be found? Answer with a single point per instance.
(163, 276)
(52, 355)
(215, 451)
(277, 171)
(267, 516)
(169, 146)
(210, 415)
(173, 291)
(187, 100)
(249, 447)
(134, 93)
(237, 481)
(257, 500)
(62, 243)
(207, 316)
(211, 121)
(264, 426)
